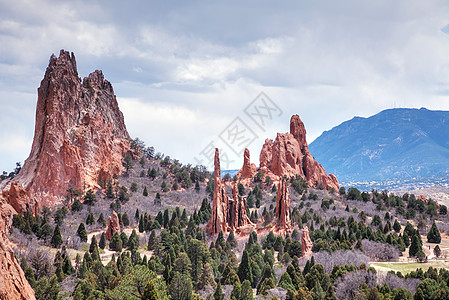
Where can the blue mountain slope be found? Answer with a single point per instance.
(395, 143)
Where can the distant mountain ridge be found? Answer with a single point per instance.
(397, 143)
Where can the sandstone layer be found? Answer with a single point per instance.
(113, 225)
(288, 155)
(80, 136)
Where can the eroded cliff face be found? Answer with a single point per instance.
(113, 225)
(288, 155)
(80, 136)
(13, 284)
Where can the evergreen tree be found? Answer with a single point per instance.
(219, 295)
(56, 239)
(125, 219)
(82, 233)
(116, 243)
(197, 186)
(93, 249)
(151, 240)
(437, 251)
(136, 215)
(145, 192)
(206, 278)
(141, 224)
(415, 246)
(102, 243)
(150, 293)
(133, 242)
(67, 267)
(247, 291)
(434, 234)
(397, 226)
(101, 220)
(244, 271)
(330, 293)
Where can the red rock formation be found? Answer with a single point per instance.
(237, 216)
(218, 220)
(283, 223)
(248, 169)
(80, 135)
(13, 284)
(306, 242)
(289, 156)
(18, 198)
(113, 225)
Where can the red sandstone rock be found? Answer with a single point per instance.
(237, 216)
(80, 135)
(13, 284)
(18, 198)
(289, 156)
(282, 216)
(306, 242)
(218, 220)
(248, 169)
(113, 225)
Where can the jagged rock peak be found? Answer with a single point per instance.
(248, 169)
(283, 223)
(306, 242)
(289, 155)
(80, 135)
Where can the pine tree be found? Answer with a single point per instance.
(116, 243)
(125, 219)
(206, 278)
(434, 234)
(141, 225)
(102, 243)
(244, 271)
(93, 249)
(247, 291)
(101, 220)
(133, 242)
(150, 293)
(330, 293)
(197, 186)
(415, 246)
(437, 251)
(56, 239)
(151, 240)
(397, 226)
(145, 192)
(82, 233)
(67, 267)
(219, 295)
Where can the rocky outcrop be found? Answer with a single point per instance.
(80, 136)
(19, 199)
(113, 225)
(288, 155)
(218, 220)
(13, 284)
(306, 242)
(227, 213)
(237, 216)
(248, 169)
(283, 223)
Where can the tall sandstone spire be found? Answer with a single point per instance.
(80, 135)
(218, 220)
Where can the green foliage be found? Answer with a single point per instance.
(128, 162)
(116, 243)
(150, 293)
(82, 233)
(77, 206)
(102, 243)
(56, 239)
(48, 289)
(180, 287)
(434, 234)
(134, 187)
(415, 246)
(218, 294)
(90, 198)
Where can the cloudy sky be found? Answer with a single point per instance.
(188, 74)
